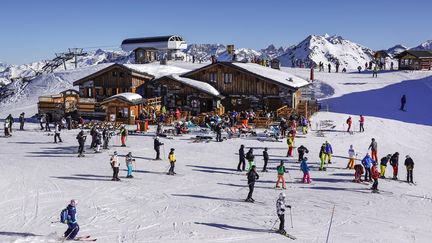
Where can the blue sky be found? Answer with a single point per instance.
(34, 30)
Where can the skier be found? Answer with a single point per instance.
(367, 163)
(280, 210)
(322, 156)
(329, 67)
(93, 136)
(374, 148)
(6, 128)
(301, 151)
(337, 67)
(47, 123)
(351, 154)
(106, 135)
(375, 72)
(115, 164)
(358, 173)
(156, 146)
(409, 164)
(252, 176)
(250, 158)
(403, 102)
(241, 159)
(21, 121)
(305, 169)
(328, 152)
(129, 164)
(361, 121)
(218, 132)
(123, 133)
(290, 142)
(42, 120)
(349, 123)
(266, 158)
(375, 175)
(394, 162)
(98, 140)
(11, 121)
(81, 140)
(71, 221)
(172, 159)
(280, 177)
(383, 165)
(57, 130)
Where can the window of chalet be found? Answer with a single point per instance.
(114, 74)
(89, 92)
(228, 78)
(121, 74)
(212, 77)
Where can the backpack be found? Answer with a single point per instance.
(64, 215)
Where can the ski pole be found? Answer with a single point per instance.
(54, 222)
(292, 226)
(331, 220)
(274, 224)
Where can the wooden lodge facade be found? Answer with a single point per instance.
(123, 108)
(415, 60)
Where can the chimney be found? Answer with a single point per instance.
(230, 49)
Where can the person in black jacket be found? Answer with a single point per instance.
(156, 146)
(409, 164)
(266, 158)
(252, 176)
(21, 121)
(301, 151)
(241, 159)
(81, 140)
(250, 158)
(218, 132)
(394, 162)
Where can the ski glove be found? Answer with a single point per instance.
(288, 206)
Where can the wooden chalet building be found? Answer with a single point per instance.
(124, 107)
(111, 80)
(249, 85)
(415, 60)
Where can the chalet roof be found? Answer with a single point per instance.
(164, 38)
(202, 86)
(156, 70)
(130, 98)
(416, 53)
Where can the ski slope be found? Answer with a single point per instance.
(204, 202)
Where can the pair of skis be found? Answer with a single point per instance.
(81, 238)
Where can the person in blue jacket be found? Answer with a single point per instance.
(328, 152)
(367, 164)
(72, 223)
(305, 168)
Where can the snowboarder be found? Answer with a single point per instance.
(394, 162)
(374, 148)
(172, 159)
(328, 152)
(81, 140)
(375, 175)
(250, 158)
(409, 164)
(115, 164)
(21, 121)
(129, 164)
(280, 175)
(349, 123)
(242, 162)
(156, 146)
(305, 169)
(123, 133)
(266, 158)
(252, 176)
(383, 165)
(280, 210)
(358, 173)
(361, 121)
(403, 102)
(352, 155)
(322, 156)
(71, 221)
(367, 163)
(301, 151)
(57, 130)
(290, 142)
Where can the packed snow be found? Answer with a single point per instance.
(204, 201)
(203, 86)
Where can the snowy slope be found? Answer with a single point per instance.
(327, 49)
(204, 202)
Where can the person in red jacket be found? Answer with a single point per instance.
(361, 123)
(375, 175)
(349, 122)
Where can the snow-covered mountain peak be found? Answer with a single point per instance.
(427, 45)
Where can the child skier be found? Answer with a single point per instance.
(290, 142)
(383, 165)
(305, 168)
(322, 156)
(367, 163)
(129, 164)
(115, 164)
(266, 158)
(328, 152)
(280, 210)
(394, 162)
(252, 176)
(172, 159)
(375, 175)
(409, 164)
(352, 155)
(71, 221)
(301, 151)
(358, 173)
(280, 177)
(250, 158)
(241, 159)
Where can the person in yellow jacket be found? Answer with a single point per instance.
(172, 160)
(290, 142)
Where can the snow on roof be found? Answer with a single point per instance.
(128, 97)
(203, 86)
(156, 69)
(284, 78)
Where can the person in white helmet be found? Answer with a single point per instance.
(115, 164)
(280, 210)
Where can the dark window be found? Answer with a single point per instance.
(114, 74)
(121, 74)
(212, 77)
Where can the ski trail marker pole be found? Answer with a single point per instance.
(331, 220)
(292, 226)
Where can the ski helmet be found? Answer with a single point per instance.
(305, 159)
(73, 202)
(115, 152)
(282, 195)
